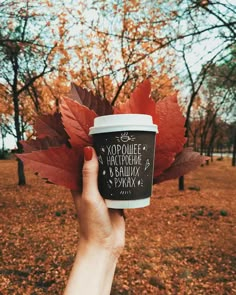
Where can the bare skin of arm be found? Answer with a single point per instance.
(102, 236)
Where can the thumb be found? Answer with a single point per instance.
(90, 173)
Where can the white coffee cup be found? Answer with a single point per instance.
(125, 146)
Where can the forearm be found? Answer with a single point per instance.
(92, 272)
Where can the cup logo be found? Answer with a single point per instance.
(125, 137)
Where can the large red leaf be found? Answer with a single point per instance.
(60, 165)
(167, 115)
(51, 126)
(170, 139)
(94, 102)
(40, 144)
(163, 160)
(185, 162)
(77, 119)
(140, 102)
(170, 121)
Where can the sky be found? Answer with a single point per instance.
(10, 142)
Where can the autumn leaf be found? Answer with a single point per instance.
(60, 165)
(167, 115)
(140, 102)
(185, 161)
(40, 143)
(170, 139)
(77, 119)
(163, 160)
(170, 121)
(94, 102)
(51, 126)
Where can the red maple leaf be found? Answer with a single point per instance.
(50, 133)
(140, 102)
(186, 161)
(51, 126)
(170, 139)
(46, 155)
(167, 115)
(77, 119)
(40, 144)
(94, 102)
(59, 165)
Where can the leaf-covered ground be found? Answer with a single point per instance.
(184, 243)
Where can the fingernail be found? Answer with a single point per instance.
(88, 153)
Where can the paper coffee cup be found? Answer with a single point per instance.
(125, 147)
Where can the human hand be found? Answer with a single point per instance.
(102, 236)
(99, 226)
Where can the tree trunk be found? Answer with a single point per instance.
(208, 154)
(234, 149)
(15, 94)
(20, 168)
(212, 154)
(21, 173)
(2, 136)
(211, 145)
(195, 90)
(181, 183)
(2, 153)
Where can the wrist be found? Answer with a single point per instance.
(93, 270)
(109, 254)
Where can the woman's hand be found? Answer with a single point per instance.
(102, 236)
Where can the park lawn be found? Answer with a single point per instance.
(183, 243)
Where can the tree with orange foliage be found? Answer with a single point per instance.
(117, 45)
(26, 55)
